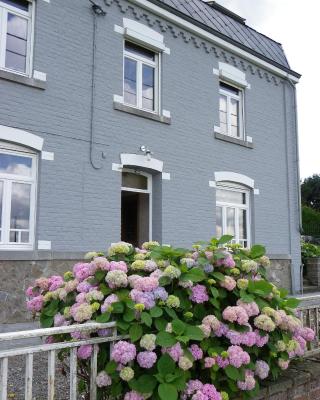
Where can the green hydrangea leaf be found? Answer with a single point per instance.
(146, 318)
(194, 275)
(135, 332)
(178, 327)
(194, 333)
(167, 391)
(257, 251)
(232, 372)
(156, 312)
(166, 365)
(165, 339)
(103, 318)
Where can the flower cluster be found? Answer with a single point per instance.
(187, 320)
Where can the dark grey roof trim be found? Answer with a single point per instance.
(270, 52)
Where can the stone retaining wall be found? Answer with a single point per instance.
(17, 275)
(300, 382)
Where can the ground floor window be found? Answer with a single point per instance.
(136, 207)
(18, 169)
(233, 213)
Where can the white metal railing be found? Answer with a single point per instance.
(51, 349)
(309, 316)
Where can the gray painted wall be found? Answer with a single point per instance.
(79, 206)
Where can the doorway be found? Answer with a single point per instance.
(136, 200)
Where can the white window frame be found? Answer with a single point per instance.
(240, 99)
(30, 16)
(7, 180)
(224, 205)
(136, 190)
(156, 64)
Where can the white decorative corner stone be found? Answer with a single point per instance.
(256, 191)
(117, 98)
(166, 113)
(47, 1)
(212, 184)
(167, 51)
(119, 29)
(44, 245)
(40, 76)
(117, 167)
(215, 71)
(47, 155)
(166, 176)
(249, 139)
(217, 129)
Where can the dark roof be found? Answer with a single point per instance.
(229, 26)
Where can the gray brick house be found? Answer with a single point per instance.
(139, 119)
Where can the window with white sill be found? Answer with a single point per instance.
(15, 35)
(18, 175)
(231, 111)
(141, 77)
(233, 213)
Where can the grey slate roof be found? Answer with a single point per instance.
(230, 27)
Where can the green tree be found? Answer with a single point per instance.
(310, 192)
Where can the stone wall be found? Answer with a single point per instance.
(16, 276)
(279, 273)
(300, 382)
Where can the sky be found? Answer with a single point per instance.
(296, 25)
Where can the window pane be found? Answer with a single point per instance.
(130, 81)
(223, 103)
(20, 206)
(138, 50)
(21, 4)
(229, 88)
(24, 237)
(234, 117)
(218, 222)
(16, 165)
(136, 181)
(230, 196)
(16, 43)
(17, 26)
(243, 224)
(148, 87)
(231, 221)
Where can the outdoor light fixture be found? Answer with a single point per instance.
(97, 9)
(147, 152)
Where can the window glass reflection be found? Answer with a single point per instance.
(15, 165)
(230, 196)
(20, 206)
(16, 51)
(130, 81)
(21, 4)
(148, 87)
(136, 181)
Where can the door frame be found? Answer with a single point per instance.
(147, 191)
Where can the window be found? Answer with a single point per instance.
(233, 213)
(231, 111)
(17, 198)
(15, 35)
(140, 84)
(136, 207)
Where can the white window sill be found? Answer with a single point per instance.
(230, 139)
(22, 79)
(141, 113)
(16, 247)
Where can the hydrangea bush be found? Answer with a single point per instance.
(203, 324)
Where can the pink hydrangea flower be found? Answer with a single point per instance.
(112, 298)
(123, 352)
(84, 352)
(81, 271)
(196, 352)
(249, 383)
(103, 379)
(146, 284)
(101, 263)
(133, 396)
(235, 314)
(209, 362)
(252, 308)
(175, 352)
(55, 282)
(146, 359)
(229, 283)
(237, 356)
(262, 369)
(199, 294)
(118, 266)
(35, 304)
(42, 283)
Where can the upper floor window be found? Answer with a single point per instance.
(233, 213)
(17, 198)
(141, 82)
(231, 111)
(15, 35)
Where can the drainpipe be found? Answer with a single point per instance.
(298, 167)
(96, 11)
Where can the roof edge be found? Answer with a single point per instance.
(216, 37)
